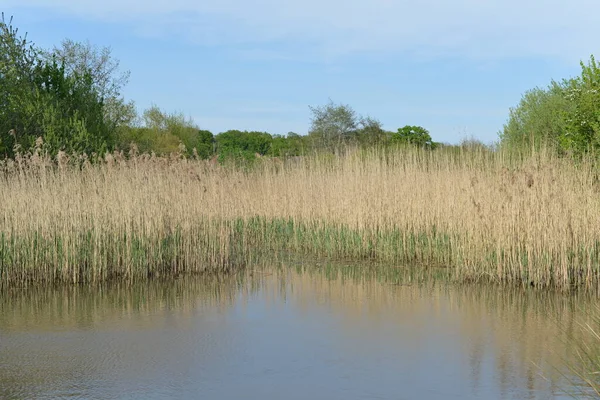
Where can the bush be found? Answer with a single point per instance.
(538, 120)
(164, 133)
(413, 135)
(565, 116)
(40, 98)
(234, 141)
(289, 146)
(582, 119)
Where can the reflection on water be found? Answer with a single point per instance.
(290, 333)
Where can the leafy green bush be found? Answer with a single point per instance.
(205, 144)
(538, 120)
(332, 125)
(290, 145)
(335, 126)
(582, 119)
(164, 133)
(565, 116)
(413, 135)
(40, 98)
(234, 141)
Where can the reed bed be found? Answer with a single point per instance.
(488, 216)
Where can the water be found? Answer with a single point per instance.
(284, 334)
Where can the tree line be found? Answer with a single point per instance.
(70, 97)
(333, 128)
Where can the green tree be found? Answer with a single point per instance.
(289, 146)
(413, 135)
(39, 97)
(333, 125)
(72, 117)
(250, 143)
(582, 119)
(565, 116)
(205, 144)
(163, 133)
(370, 133)
(538, 120)
(107, 78)
(18, 58)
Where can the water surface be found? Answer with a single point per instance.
(285, 334)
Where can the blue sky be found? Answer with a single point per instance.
(454, 67)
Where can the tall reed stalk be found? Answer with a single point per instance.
(486, 215)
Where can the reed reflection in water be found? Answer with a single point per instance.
(291, 333)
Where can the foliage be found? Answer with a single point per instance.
(289, 146)
(332, 125)
(85, 57)
(582, 120)
(565, 116)
(147, 140)
(174, 124)
(72, 117)
(18, 57)
(370, 133)
(41, 98)
(108, 81)
(538, 119)
(205, 144)
(164, 133)
(70, 97)
(413, 135)
(244, 144)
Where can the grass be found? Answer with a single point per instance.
(485, 216)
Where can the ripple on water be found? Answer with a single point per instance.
(291, 334)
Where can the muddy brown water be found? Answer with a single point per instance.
(286, 334)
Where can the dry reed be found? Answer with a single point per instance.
(487, 216)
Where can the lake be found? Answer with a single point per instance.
(286, 333)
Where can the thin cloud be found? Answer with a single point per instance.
(476, 29)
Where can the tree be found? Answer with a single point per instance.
(565, 116)
(205, 144)
(72, 112)
(250, 143)
(582, 120)
(332, 125)
(163, 133)
(107, 79)
(18, 57)
(413, 135)
(370, 132)
(40, 98)
(538, 120)
(289, 146)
